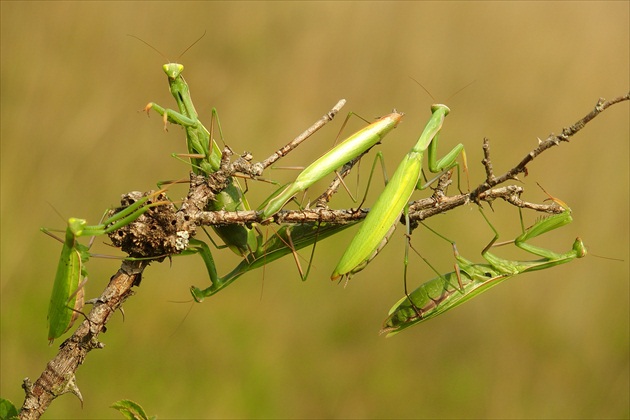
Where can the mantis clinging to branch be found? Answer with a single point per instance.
(67, 294)
(351, 148)
(205, 157)
(381, 221)
(447, 291)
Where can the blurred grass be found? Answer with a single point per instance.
(552, 344)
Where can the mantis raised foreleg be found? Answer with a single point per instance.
(67, 294)
(447, 291)
(381, 221)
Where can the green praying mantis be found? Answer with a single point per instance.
(66, 299)
(349, 149)
(205, 158)
(447, 291)
(381, 221)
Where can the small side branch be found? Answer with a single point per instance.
(551, 141)
(306, 134)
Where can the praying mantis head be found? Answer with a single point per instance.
(76, 226)
(173, 70)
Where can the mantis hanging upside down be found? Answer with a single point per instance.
(66, 299)
(447, 291)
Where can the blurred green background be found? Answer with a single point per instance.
(544, 345)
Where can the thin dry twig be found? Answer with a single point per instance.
(543, 145)
(305, 134)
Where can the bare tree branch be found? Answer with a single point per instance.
(154, 235)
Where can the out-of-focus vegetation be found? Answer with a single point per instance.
(547, 344)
